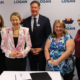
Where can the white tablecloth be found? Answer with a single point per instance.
(10, 75)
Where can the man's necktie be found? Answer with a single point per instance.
(34, 29)
(34, 26)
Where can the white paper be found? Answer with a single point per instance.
(7, 77)
(23, 76)
(55, 75)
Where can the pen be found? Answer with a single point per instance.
(15, 77)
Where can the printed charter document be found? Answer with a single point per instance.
(23, 76)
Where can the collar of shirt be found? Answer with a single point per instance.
(32, 21)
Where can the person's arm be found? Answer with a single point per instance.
(46, 51)
(28, 44)
(4, 45)
(70, 45)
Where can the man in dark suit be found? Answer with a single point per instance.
(39, 28)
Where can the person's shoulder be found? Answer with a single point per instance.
(78, 31)
(27, 18)
(50, 37)
(5, 30)
(25, 28)
(42, 16)
(68, 36)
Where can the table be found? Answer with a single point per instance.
(10, 75)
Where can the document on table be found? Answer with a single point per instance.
(23, 76)
(7, 77)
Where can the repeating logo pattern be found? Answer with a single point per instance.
(44, 1)
(68, 22)
(68, 1)
(20, 1)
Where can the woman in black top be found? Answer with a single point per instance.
(13, 44)
(2, 56)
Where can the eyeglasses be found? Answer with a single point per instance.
(78, 20)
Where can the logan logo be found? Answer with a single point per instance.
(20, 1)
(68, 22)
(44, 1)
(68, 1)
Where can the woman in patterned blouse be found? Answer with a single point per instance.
(58, 51)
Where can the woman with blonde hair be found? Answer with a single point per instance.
(13, 44)
(58, 51)
(2, 56)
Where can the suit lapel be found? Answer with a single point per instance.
(11, 36)
(20, 37)
(39, 20)
(30, 29)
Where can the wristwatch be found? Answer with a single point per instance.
(48, 60)
(58, 60)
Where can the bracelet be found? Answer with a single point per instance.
(58, 60)
(48, 60)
